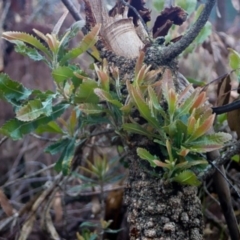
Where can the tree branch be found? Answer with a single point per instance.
(72, 9)
(235, 149)
(172, 51)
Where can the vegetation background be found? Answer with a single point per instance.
(25, 169)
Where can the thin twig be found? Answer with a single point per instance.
(235, 149)
(27, 176)
(44, 138)
(227, 180)
(3, 140)
(72, 9)
(173, 50)
(209, 194)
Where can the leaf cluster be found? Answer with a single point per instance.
(177, 123)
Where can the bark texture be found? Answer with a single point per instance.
(157, 210)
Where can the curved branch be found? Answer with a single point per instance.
(172, 51)
(72, 9)
(220, 160)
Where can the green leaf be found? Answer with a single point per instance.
(204, 33)
(136, 128)
(158, 4)
(16, 129)
(188, 5)
(33, 109)
(91, 109)
(11, 90)
(144, 154)
(88, 41)
(25, 37)
(72, 32)
(187, 104)
(187, 178)
(142, 106)
(155, 102)
(51, 127)
(209, 143)
(62, 73)
(85, 92)
(32, 53)
(106, 96)
(67, 157)
(58, 146)
(236, 158)
(234, 61)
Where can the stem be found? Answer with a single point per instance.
(172, 51)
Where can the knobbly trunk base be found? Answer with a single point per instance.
(157, 210)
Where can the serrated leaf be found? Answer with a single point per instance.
(187, 178)
(145, 154)
(106, 96)
(11, 90)
(153, 97)
(209, 143)
(32, 53)
(141, 105)
(33, 109)
(203, 128)
(188, 103)
(25, 37)
(16, 129)
(88, 41)
(90, 108)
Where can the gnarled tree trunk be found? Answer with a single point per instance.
(157, 210)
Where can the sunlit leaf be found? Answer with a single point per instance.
(25, 37)
(62, 73)
(11, 90)
(33, 109)
(51, 127)
(187, 177)
(16, 129)
(146, 155)
(141, 105)
(106, 96)
(85, 92)
(88, 41)
(90, 108)
(32, 53)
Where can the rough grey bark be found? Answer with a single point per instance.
(157, 210)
